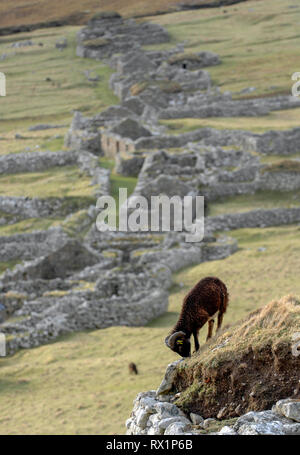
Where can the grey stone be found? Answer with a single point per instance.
(35, 161)
(196, 419)
(130, 128)
(167, 382)
(177, 428)
(227, 431)
(44, 126)
(134, 104)
(129, 167)
(164, 423)
(117, 35)
(207, 422)
(141, 418)
(289, 408)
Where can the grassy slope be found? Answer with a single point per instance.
(75, 11)
(81, 383)
(252, 359)
(265, 199)
(31, 99)
(54, 182)
(258, 47)
(276, 120)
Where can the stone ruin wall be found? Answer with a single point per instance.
(113, 145)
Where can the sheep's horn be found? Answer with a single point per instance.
(172, 338)
(166, 341)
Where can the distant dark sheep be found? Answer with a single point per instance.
(132, 368)
(200, 305)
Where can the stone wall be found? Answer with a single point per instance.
(112, 145)
(226, 107)
(105, 36)
(132, 298)
(23, 207)
(30, 245)
(35, 161)
(253, 218)
(279, 142)
(152, 416)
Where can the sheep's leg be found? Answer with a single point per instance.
(220, 320)
(195, 334)
(210, 328)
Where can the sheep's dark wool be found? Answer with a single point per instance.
(132, 368)
(200, 305)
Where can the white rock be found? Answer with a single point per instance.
(165, 410)
(128, 422)
(163, 424)
(292, 428)
(289, 408)
(142, 418)
(177, 428)
(227, 431)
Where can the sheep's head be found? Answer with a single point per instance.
(179, 343)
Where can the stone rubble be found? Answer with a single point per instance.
(154, 413)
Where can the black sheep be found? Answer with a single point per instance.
(200, 305)
(132, 368)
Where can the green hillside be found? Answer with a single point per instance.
(81, 384)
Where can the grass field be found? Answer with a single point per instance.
(276, 120)
(55, 182)
(261, 199)
(81, 384)
(32, 99)
(258, 42)
(76, 12)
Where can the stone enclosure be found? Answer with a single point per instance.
(75, 277)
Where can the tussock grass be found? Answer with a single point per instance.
(273, 323)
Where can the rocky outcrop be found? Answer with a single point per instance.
(230, 380)
(151, 416)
